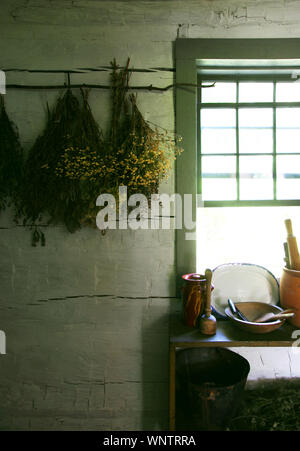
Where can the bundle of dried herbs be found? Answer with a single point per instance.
(53, 188)
(11, 159)
(145, 156)
(72, 163)
(138, 155)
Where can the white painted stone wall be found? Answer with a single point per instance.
(86, 317)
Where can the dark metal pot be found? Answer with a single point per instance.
(210, 384)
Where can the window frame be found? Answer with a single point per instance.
(188, 53)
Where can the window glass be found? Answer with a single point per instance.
(288, 176)
(288, 92)
(218, 178)
(256, 177)
(218, 130)
(287, 130)
(256, 92)
(288, 140)
(256, 130)
(218, 141)
(255, 140)
(220, 93)
(255, 118)
(218, 117)
(287, 118)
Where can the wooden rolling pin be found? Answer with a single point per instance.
(293, 247)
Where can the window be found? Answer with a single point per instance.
(249, 143)
(241, 148)
(249, 154)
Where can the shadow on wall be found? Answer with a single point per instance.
(155, 366)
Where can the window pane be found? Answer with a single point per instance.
(256, 180)
(256, 140)
(255, 118)
(218, 140)
(218, 178)
(288, 92)
(218, 118)
(287, 130)
(288, 140)
(219, 189)
(287, 118)
(255, 92)
(219, 165)
(288, 177)
(220, 93)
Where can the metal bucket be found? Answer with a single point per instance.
(209, 387)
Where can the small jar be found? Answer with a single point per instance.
(193, 298)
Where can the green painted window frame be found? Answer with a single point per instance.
(188, 54)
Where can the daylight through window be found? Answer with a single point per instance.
(249, 142)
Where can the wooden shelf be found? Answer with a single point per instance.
(228, 335)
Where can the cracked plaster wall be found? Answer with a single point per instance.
(86, 317)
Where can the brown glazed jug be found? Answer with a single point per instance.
(193, 298)
(290, 293)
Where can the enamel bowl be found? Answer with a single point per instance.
(242, 282)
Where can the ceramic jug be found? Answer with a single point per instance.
(290, 293)
(193, 298)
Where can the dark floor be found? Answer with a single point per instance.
(272, 406)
